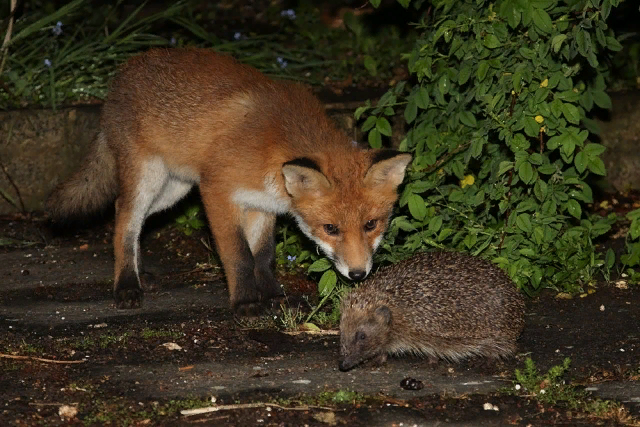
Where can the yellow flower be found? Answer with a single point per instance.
(539, 119)
(544, 83)
(468, 180)
(440, 172)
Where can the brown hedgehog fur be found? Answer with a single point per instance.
(446, 305)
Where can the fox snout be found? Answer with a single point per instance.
(355, 264)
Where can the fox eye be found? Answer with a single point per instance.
(331, 229)
(360, 336)
(371, 225)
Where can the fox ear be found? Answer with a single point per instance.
(387, 169)
(303, 176)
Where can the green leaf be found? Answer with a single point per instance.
(547, 169)
(531, 127)
(443, 84)
(491, 41)
(435, 224)
(583, 40)
(542, 20)
(540, 190)
(602, 99)
(605, 9)
(527, 53)
(464, 74)
(634, 229)
(327, 283)
(456, 196)
(360, 111)
(411, 110)
(556, 42)
(470, 240)
(581, 161)
(593, 149)
(369, 123)
(571, 113)
(444, 233)
(370, 65)
(483, 68)
(523, 222)
(417, 207)
(468, 119)
(321, 264)
(574, 209)
(526, 172)
(375, 140)
(610, 258)
(613, 44)
(504, 167)
(383, 126)
(422, 98)
(596, 165)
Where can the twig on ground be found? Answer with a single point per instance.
(53, 404)
(39, 359)
(198, 411)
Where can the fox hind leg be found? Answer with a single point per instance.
(154, 190)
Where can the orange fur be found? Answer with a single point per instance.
(182, 117)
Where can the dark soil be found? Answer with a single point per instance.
(56, 304)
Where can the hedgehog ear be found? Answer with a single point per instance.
(384, 314)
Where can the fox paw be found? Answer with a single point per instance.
(127, 291)
(249, 309)
(128, 298)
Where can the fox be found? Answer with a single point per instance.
(256, 148)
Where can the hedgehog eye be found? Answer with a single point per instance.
(371, 225)
(331, 229)
(360, 336)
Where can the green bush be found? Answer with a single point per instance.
(502, 142)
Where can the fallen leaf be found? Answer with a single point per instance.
(66, 411)
(172, 346)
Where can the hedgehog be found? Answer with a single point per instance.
(440, 305)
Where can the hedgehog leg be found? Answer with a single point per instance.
(379, 360)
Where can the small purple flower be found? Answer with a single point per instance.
(237, 36)
(283, 63)
(289, 13)
(47, 62)
(291, 258)
(172, 41)
(57, 30)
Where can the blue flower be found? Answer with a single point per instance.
(47, 62)
(172, 41)
(237, 36)
(283, 63)
(289, 13)
(57, 30)
(291, 258)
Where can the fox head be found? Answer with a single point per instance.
(344, 203)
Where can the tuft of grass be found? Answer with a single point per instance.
(551, 388)
(148, 333)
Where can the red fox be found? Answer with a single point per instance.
(257, 148)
